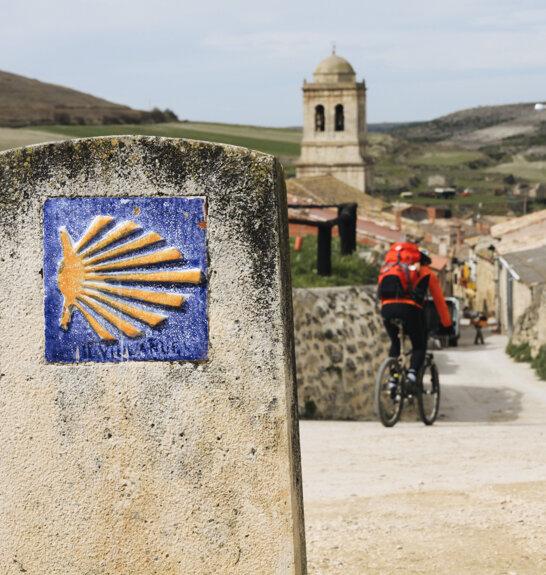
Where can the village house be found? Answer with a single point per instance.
(520, 274)
(499, 278)
(536, 192)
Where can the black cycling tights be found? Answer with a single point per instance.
(413, 320)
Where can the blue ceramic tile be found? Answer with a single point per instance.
(124, 279)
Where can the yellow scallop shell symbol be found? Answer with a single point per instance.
(93, 273)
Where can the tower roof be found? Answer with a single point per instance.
(334, 69)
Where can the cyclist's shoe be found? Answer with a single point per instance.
(411, 380)
(391, 389)
(392, 385)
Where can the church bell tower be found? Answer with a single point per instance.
(334, 124)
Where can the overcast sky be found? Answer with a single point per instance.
(243, 61)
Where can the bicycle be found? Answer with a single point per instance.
(389, 401)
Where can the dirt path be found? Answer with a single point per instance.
(467, 496)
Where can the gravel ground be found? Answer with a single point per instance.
(466, 496)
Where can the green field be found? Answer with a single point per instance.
(280, 142)
(445, 158)
(270, 142)
(399, 165)
(521, 168)
(407, 167)
(17, 137)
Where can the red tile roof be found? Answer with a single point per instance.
(365, 227)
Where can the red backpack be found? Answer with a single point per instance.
(399, 275)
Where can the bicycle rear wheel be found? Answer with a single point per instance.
(388, 405)
(428, 393)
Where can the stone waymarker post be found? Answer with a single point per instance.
(147, 400)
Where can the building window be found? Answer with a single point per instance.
(340, 118)
(319, 118)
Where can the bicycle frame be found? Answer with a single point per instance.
(405, 353)
(398, 367)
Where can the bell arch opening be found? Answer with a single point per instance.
(319, 118)
(339, 118)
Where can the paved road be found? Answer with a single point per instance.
(466, 496)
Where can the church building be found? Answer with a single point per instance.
(334, 125)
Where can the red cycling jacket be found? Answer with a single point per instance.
(427, 281)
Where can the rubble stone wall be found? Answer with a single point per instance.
(531, 325)
(340, 343)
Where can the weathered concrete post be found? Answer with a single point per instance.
(147, 399)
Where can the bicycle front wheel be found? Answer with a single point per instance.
(428, 394)
(388, 402)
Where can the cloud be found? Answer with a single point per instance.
(436, 50)
(419, 58)
(440, 52)
(271, 43)
(512, 17)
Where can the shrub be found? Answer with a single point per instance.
(62, 118)
(478, 164)
(346, 270)
(539, 363)
(519, 352)
(170, 116)
(509, 179)
(158, 116)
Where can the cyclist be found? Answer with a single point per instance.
(404, 281)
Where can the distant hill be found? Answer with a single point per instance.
(477, 127)
(488, 173)
(385, 127)
(28, 102)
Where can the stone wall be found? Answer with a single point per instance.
(531, 326)
(340, 343)
(486, 276)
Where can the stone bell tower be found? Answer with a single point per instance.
(334, 124)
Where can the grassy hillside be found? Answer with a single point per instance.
(477, 127)
(403, 166)
(399, 165)
(486, 149)
(29, 102)
(533, 171)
